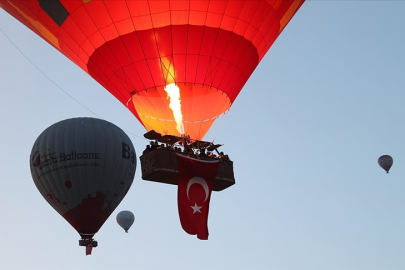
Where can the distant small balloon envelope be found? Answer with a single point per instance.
(125, 219)
(385, 162)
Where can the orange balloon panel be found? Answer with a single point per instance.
(135, 48)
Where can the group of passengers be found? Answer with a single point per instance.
(201, 153)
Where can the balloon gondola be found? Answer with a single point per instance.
(83, 167)
(159, 162)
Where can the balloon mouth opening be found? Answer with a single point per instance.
(193, 101)
(87, 236)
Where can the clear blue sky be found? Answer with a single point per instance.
(304, 134)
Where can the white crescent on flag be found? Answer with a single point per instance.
(202, 182)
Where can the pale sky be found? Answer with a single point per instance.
(305, 134)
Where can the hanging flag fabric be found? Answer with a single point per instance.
(195, 180)
(89, 248)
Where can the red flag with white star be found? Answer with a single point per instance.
(195, 181)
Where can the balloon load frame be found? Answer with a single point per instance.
(159, 162)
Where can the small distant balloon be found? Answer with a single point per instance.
(385, 162)
(125, 219)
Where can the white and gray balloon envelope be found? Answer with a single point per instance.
(83, 167)
(125, 219)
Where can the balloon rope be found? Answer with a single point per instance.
(60, 88)
(219, 127)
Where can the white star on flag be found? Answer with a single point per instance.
(196, 208)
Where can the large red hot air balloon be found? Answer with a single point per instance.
(83, 167)
(140, 51)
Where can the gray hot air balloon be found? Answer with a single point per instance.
(125, 219)
(83, 167)
(385, 162)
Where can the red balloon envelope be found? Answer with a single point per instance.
(135, 49)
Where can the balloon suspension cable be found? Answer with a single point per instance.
(54, 83)
(219, 127)
(60, 88)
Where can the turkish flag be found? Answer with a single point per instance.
(195, 180)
